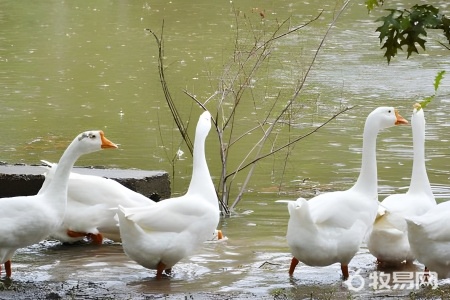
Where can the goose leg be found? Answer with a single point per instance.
(96, 238)
(8, 268)
(160, 269)
(219, 235)
(294, 263)
(344, 269)
(426, 274)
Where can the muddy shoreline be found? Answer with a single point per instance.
(95, 290)
(224, 270)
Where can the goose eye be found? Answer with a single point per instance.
(92, 136)
(389, 111)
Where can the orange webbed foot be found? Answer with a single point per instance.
(76, 234)
(96, 238)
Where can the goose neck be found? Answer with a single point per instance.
(60, 181)
(201, 181)
(368, 181)
(419, 176)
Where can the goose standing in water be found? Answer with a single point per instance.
(388, 241)
(159, 236)
(330, 227)
(26, 220)
(429, 238)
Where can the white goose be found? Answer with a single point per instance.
(388, 241)
(159, 236)
(27, 220)
(90, 200)
(330, 227)
(429, 238)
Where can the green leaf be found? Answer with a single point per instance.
(426, 101)
(389, 32)
(437, 80)
(370, 4)
(445, 26)
(409, 28)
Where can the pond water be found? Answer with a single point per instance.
(69, 66)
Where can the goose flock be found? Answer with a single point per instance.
(329, 228)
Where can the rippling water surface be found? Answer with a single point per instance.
(69, 66)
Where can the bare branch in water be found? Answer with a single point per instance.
(292, 142)
(234, 86)
(173, 109)
(289, 104)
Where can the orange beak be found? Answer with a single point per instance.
(400, 119)
(106, 143)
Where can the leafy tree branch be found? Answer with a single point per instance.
(409, 28)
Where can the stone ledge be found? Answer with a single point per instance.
(24, 180)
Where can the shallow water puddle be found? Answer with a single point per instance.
(224, 267)
(247, 265)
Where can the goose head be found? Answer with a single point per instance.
(418, 117)
(93, 140)
(84, 143)
(203, 125)
(384, 117)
